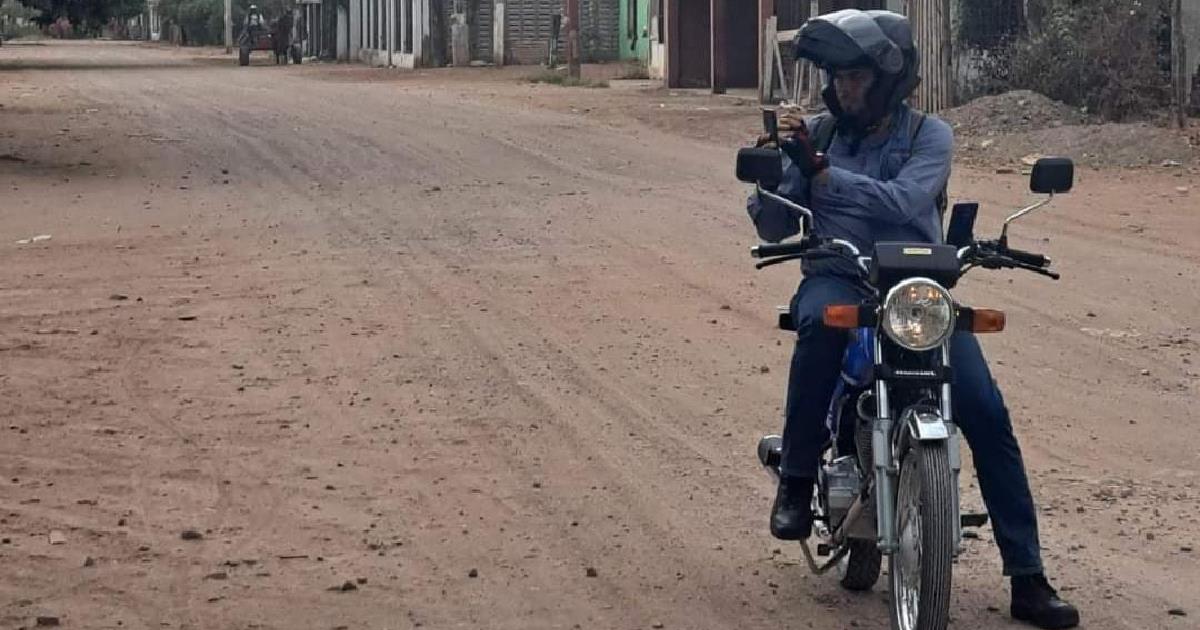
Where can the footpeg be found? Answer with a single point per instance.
(974, 520)
(770, 451)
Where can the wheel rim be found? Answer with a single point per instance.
(906, 574)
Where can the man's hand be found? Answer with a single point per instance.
(791, 120)
(799, 145)
(765, 142)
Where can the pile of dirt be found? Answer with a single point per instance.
(1011, 112)
(1010, 130)
(1105, 145)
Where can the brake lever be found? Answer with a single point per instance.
(1038, 270)
(775, 261)
(1046, 272)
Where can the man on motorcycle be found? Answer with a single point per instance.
(879, 179)
(254, 18)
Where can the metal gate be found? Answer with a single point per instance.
(529, 28)
(601, 30)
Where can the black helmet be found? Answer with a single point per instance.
(851, 38)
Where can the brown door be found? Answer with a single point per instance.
(695, 44)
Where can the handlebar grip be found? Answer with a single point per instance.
(1028, 258)
(770, 250)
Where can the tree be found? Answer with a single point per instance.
(87, 15)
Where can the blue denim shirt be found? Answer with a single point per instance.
(886, 191)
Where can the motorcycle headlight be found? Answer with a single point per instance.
(918, 314)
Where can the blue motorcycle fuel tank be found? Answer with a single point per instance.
(859, 362)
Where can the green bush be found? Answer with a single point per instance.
(1105, 55)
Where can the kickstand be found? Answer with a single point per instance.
(822, 568)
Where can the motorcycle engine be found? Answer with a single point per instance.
(841, 483)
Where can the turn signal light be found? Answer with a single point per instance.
(987, 320)
(841, 316)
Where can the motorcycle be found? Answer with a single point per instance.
(887, 484)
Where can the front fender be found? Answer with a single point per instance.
(925, 424)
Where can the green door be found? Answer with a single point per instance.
(635, 29)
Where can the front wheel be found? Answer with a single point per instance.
(921, 565)
(244, 55)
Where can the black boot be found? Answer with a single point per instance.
(1036, 602)
(791, 516)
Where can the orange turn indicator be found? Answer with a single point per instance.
(987, 320)
(841, 316)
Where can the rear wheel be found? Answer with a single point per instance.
(296, 55)
(920, 569)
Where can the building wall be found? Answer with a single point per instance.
(529, 23)
(399, 32)
(390, 33)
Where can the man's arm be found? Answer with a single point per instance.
(901, 200)
(773, 220)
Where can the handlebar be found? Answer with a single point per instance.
(998, 255)
(1028, 258)
(987, 254)
(771, 250)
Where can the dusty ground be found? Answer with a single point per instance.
(493, 354)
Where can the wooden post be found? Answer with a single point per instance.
(766, 12)
(228, 26)
(672, 69)
(766, 67)
(719, 35)
(1179, 69)
(498, 34)
(572, 27)
(460, 37)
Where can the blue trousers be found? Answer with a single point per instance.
(978, 410)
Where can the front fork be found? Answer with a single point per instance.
(887, 453)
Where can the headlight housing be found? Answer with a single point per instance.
(918, 314)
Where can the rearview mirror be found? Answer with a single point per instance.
(760, 166)
(962, 224)
(1052, 175)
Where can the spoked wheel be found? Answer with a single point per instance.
(925, 512)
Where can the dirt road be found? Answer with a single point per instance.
(447, 350)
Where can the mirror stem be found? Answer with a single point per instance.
(1018, 215)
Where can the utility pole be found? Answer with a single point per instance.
(573, 69)
(228, 26)
(1179, 72)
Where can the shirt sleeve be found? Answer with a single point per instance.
(899, 201)
(773, 220)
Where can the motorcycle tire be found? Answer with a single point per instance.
(244, 56)
(925, 513)
(863, 565)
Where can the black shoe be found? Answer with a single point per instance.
(791, 516)
(1034, 601)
